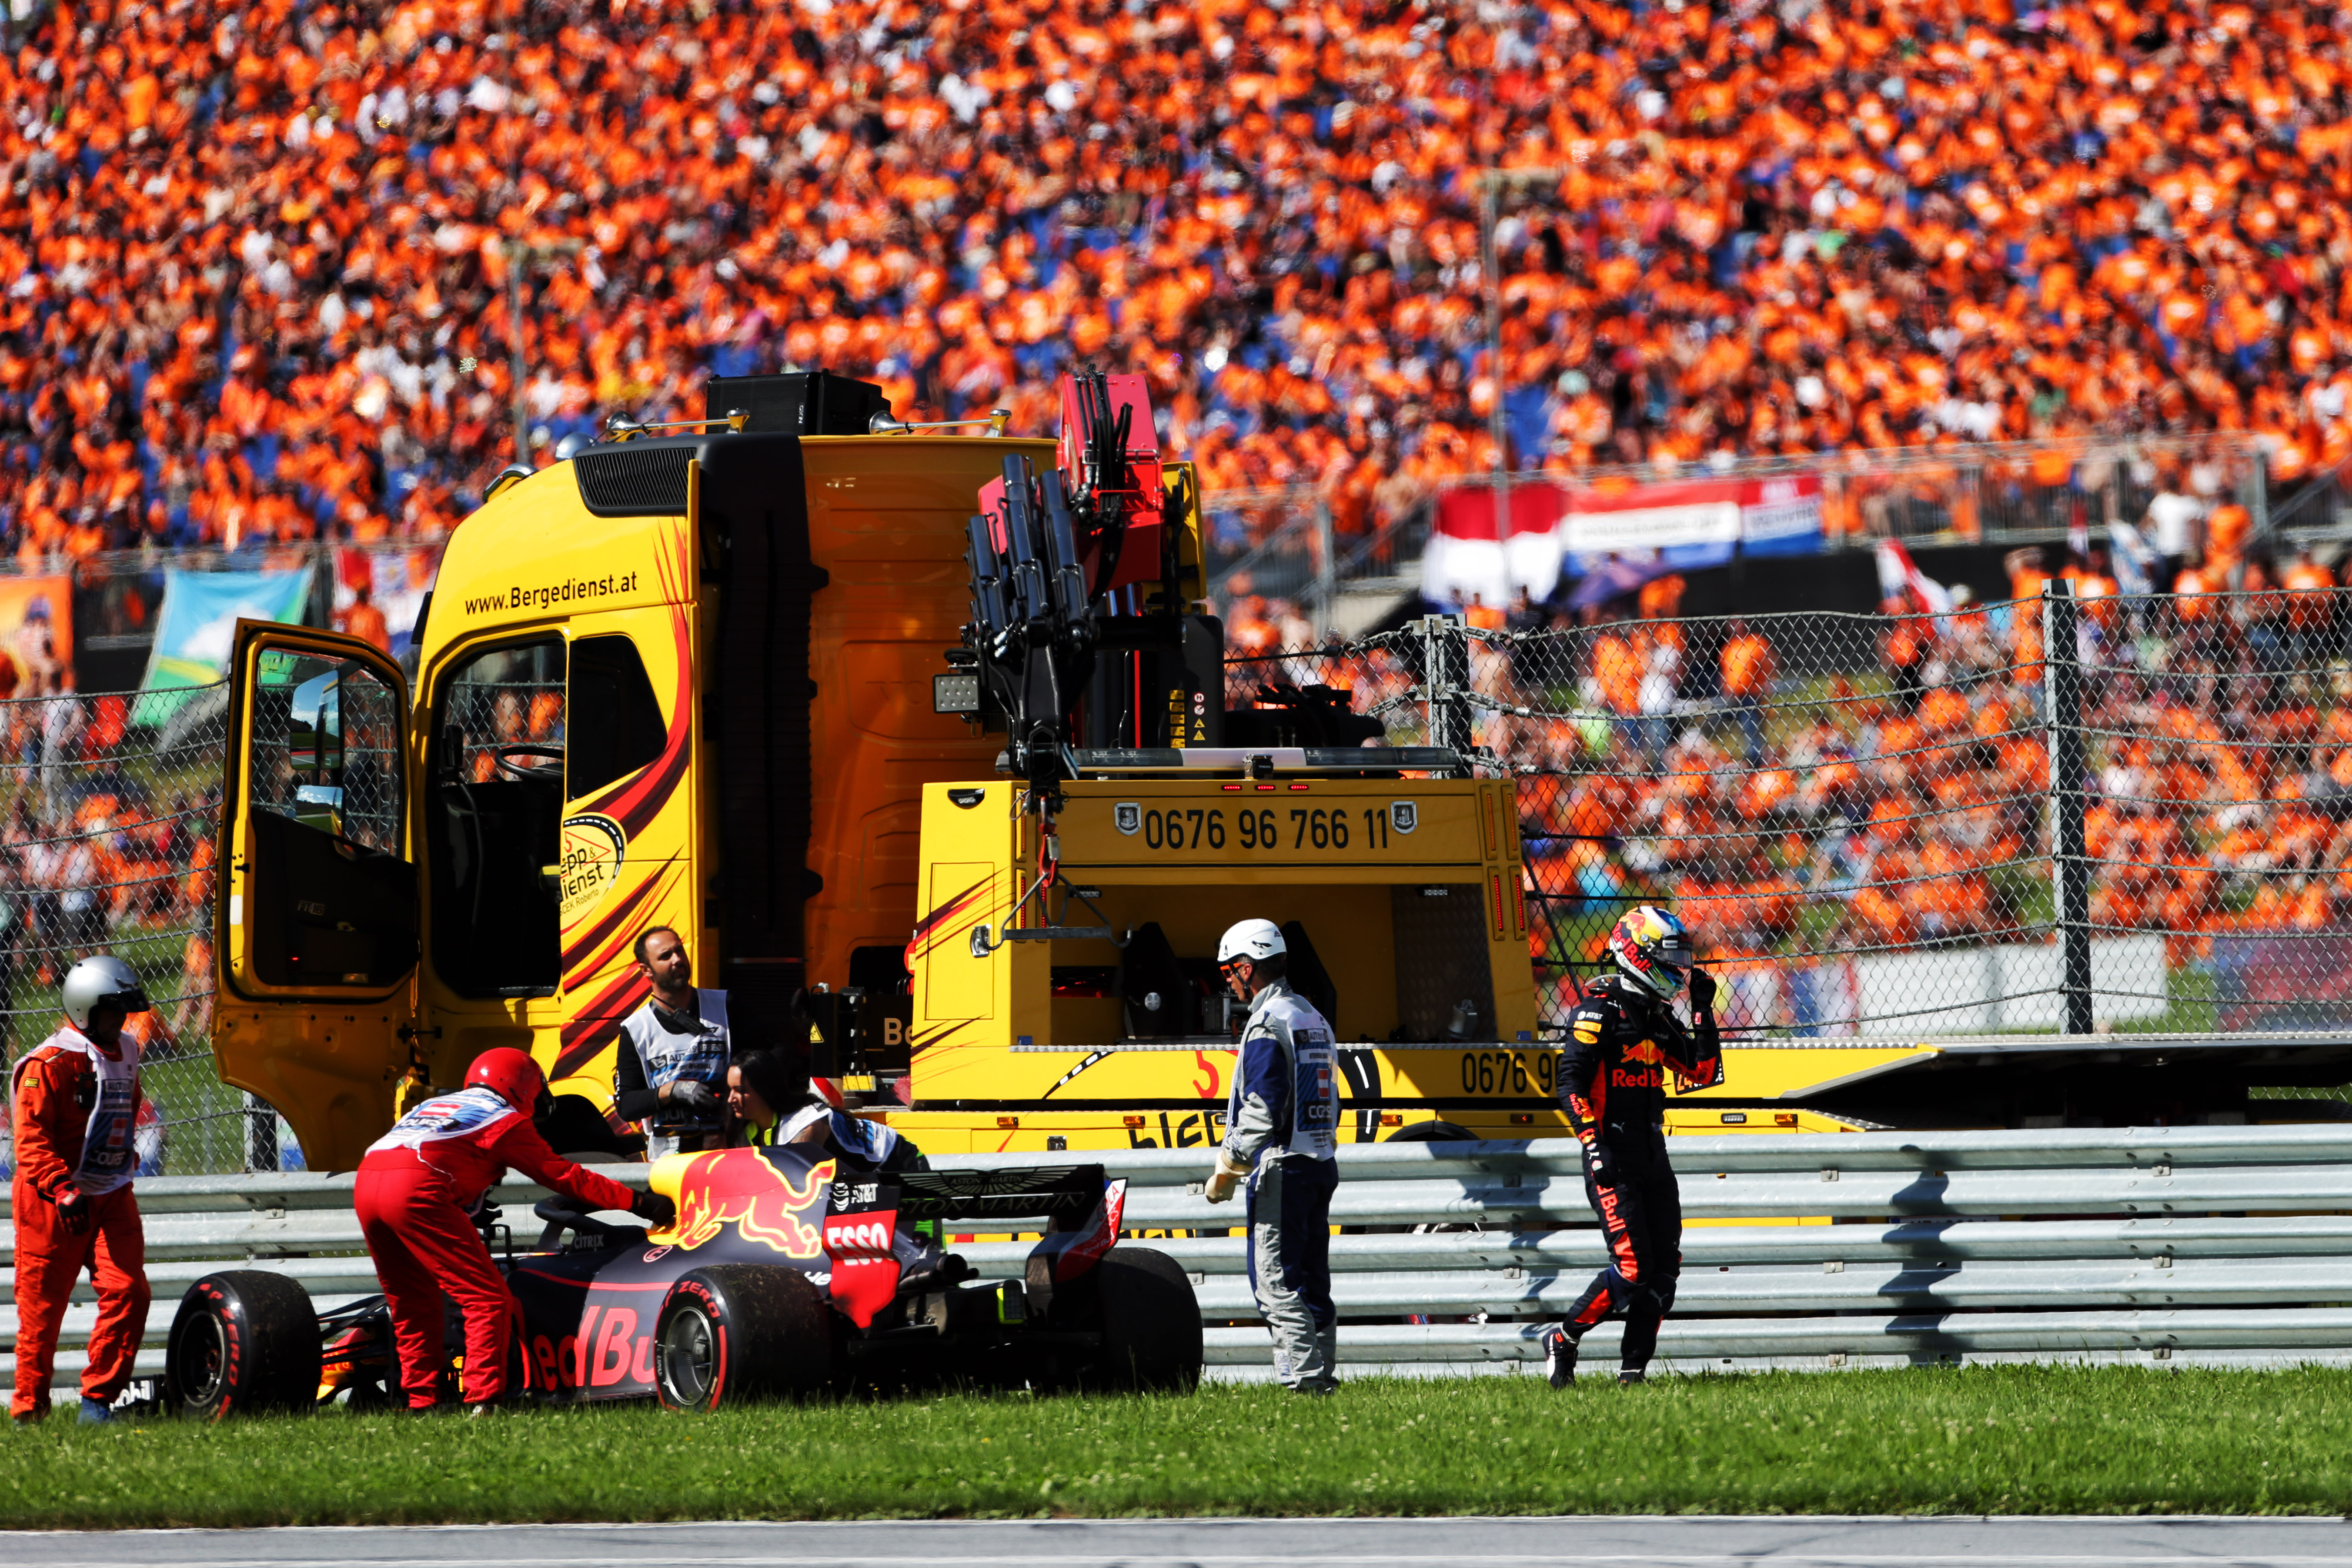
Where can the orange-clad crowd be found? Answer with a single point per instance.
(96, 856)
(1795, 812)
(258, 257)
(1812, 788)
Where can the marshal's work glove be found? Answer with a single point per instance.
(654, 1206)
(692, 1093)
(1228, 1175)
(73, 1210)
(1601, 1164)
(1702, 987)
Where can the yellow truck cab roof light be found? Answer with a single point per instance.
(883, 425)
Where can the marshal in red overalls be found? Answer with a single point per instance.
(76, 1099)
(418, 1183)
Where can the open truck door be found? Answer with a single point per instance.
(316, 928)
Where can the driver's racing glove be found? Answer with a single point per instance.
(1702, 991)
(654, 1206)
(692, 1093)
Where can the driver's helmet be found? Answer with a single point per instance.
(1653, 949)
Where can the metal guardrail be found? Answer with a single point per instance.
(2195, 1245)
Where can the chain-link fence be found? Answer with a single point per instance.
(2049, 815)
(2038, 816)
(109, 843)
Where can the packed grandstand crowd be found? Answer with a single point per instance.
(260, 261)
(259, 255)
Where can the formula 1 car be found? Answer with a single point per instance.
(785, 1275)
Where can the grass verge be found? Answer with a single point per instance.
(1979, 1440)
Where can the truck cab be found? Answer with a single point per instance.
(681, 679)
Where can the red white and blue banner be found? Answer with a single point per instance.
(1558, 530)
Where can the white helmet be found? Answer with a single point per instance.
(100, 979)
(1253, 940)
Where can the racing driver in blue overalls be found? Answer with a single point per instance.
(1623, 1038)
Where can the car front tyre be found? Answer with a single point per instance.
(243, 1342)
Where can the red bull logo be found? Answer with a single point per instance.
(1646, 1052)
(742, 1188)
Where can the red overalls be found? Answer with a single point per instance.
(415, 1184)
(76, 1105)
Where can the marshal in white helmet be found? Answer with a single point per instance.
(1282, 1123)
(1256, 940)
(100, 979)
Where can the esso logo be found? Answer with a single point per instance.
(862, 1235)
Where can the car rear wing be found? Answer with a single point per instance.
(1062, 1195)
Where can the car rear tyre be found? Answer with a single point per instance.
(733, 1333)
(243, 1342)
(1150, 1323)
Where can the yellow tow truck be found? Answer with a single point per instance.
(955, 798)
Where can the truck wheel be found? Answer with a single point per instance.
(733, 1333)
(1150, 1323)
(243, 1342)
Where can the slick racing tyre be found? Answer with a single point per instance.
(733, 1333)
(243, 1342)
(1150, 1323)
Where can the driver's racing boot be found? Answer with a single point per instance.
(1560, 1356)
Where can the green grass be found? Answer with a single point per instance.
(1979, 1440)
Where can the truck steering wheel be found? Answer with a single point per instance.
(502, 755)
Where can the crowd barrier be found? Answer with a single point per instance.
(2204, 1245)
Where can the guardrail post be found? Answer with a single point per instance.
(1445, 675)
(2070, 865)
(260, 1134)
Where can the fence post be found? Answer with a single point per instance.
(1326, 572)
(2258, 494)
(260, 1134)
(2069, 866)
(1445, 675)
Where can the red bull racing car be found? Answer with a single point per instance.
(786, 1274)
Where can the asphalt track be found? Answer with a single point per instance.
(1631, 1542)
